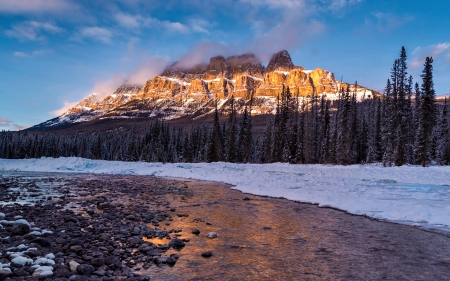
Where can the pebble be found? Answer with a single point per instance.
(73, 266)
(207, 254)
(212, 235)
(93, 239)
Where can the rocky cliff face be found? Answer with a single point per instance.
(180, 91)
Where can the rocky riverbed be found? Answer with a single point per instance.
(121, 227)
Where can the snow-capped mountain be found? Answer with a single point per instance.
(180, 91)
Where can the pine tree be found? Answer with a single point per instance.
(231, 136)
(427, 115)
(443, 136)
(245, 137)
(215, 150)
(343, 141)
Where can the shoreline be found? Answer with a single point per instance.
(258, 237)
(407, 194)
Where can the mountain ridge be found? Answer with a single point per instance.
(181, 91)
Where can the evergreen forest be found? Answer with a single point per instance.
(403, 125)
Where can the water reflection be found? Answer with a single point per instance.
(259, 239)
(276, 239)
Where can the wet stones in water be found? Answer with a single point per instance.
(196, 231)
(212, 235)
(176, 243)
(207, 254)
(171, 261)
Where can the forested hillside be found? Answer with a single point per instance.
(404, 125)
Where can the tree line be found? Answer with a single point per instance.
(404, 125)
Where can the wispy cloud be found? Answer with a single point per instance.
(388, 21)
(337, 5)
(201, 25)
(36, 6)
(129, 21)
(67, 105)
(6, 124)
(439, 52)
(144, 71)
(276, 3)
(95, 33)
(32, 30)
(31, 54)
(137, 22)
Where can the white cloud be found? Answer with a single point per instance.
(67, 105)
(32, 30)
(96, 33)
(200, 25)
(290, 4)
(175, 26)
(439, 52)
(104, 88)
(146, 70)
(128, 21)
(201, 52)
(336, 5)
(30, 55)
(35, 6)
(388, 21)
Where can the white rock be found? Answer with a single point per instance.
(73, 266)
(22, 221)
(2, 215)
(5, 271)
(37, 233)
(21, 247)
(43, 261)
(21, 261)
(17, 217)
(50, 256)
(212, 235)
(5, 222)
(43, 271)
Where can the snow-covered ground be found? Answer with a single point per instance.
(407, 194)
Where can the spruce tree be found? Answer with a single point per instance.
(427, 114)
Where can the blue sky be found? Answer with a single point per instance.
(53, 53)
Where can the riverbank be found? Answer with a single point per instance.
(142, 227)
(411, 195)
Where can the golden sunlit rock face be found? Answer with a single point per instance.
(243, 76)
(180, 90)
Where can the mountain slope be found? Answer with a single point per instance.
(195, 91)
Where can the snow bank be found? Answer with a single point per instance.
(408, 194)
